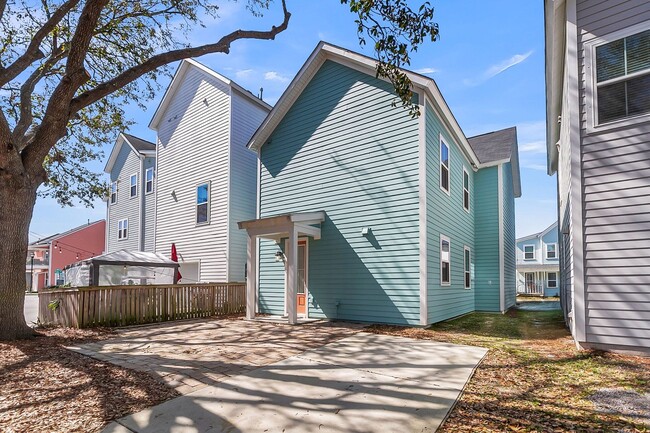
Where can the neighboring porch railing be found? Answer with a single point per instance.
(531, 289)
(132, 305)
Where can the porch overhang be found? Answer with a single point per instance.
(290, 226)
(280, 226)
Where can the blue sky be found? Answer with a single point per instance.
(488, 64)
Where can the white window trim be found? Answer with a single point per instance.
(196, 204)
(469, 196)
(591, 99)
(111, 193)
(440, 143)
(131, 185)
(445, 238)
(548, 280)
(153, 175)
(551, 258)
(465, 267)
(120, 228)
(524, 250)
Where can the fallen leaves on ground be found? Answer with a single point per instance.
(46, 388)
(533, 378)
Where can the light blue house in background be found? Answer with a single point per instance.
(367, 214)
(538, 264)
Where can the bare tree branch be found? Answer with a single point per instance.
(33, 52)
(222, 46)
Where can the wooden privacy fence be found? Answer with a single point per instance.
(131, 305)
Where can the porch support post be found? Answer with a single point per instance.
(292, 275)
(251, 276)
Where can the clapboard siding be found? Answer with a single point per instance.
(615, 168)
(193, 148)
(247, 116)
(486, 279)
(446, 216)
(126, 164)
(342, 135)
(509, 238)
(149, 210)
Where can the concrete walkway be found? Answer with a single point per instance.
(363, 383)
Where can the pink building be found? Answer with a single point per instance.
(57, 251)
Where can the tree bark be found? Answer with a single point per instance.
(17, 198)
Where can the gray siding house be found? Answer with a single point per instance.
(131, 202)
(598, 117)
(206, 177)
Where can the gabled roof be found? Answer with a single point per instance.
(138, 145)
(499, 146)
(325, 51)
(49, 239)
(185, 66)
(494, 146)
(539, 234)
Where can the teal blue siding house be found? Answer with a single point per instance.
(367, 214)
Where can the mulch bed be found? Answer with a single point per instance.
(47, 388)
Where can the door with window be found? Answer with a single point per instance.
(530, 283)
(301, 300)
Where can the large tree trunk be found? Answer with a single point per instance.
(17, 199)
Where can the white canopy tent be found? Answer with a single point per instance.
(122, 268)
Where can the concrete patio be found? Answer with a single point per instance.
(362, 383)
(190, 355)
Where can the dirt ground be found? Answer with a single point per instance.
(47, 388)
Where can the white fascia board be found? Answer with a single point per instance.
(325, 51)
(554, 24)
(121, 139)
(185, 65)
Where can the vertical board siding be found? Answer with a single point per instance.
(616, 166)
(247, 116)
(193, 148)
(149, 206)
(509, 238)
(486, 282)
(446, 216)
(344, 150)
(127, 163)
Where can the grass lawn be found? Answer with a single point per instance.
(533, 378)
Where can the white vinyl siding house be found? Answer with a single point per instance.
(598, 117)
(537, 265)
(203, 124)
(130, 159)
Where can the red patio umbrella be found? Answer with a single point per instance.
(175, 258)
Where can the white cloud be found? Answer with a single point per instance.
(495, 70)
(534, 166)
(533, 147)
(274, 76)
(243, 73)
(426, 71)
(498, 68)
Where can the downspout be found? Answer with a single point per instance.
(142, 193)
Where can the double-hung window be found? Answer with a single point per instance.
(148, 185)
(444, 166)
(552, 280)
(203, 203)
(465, 190)
(551, 251)
(113, 192)
(445, 261)
(468, 267)
(123, 229)
(529, 252)
(622, 76)
(133, 183)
